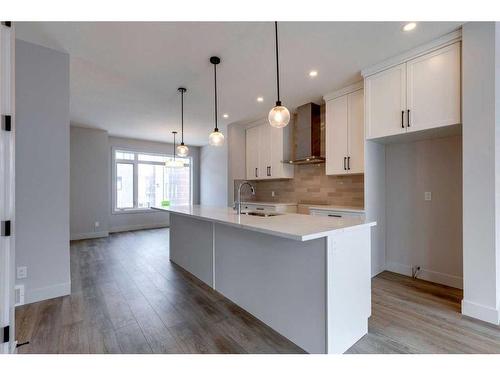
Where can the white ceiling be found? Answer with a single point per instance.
(125, 75)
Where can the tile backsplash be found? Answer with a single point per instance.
(310, 186)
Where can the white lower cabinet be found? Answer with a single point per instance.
(345, 136)
(336, 213)
(290, 208)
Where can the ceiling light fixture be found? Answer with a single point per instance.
(409, 26)
(225, 115)
(260, 99)
(216, 138)
(172, 162)
(279, 116)
(313, 73)
(182, 149)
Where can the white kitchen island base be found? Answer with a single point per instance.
(315, 292)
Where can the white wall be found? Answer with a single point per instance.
(213, 174)
(90, 183)
(420, 232)
(129, 221)
(236, 156)
(481, 170)
(42, 170)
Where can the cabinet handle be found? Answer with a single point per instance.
(256, 174)
(269, 171)
(403, 119)
(333, 215)
(408, 118)
(345, 159)
(348, 163)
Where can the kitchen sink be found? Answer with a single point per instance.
(261, 214)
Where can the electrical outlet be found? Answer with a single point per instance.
(427, 196)
(272, 194)
(22, 272)
(96, 224)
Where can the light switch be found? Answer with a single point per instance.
(22, 272)
(427, 196)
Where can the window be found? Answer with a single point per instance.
(141, 180)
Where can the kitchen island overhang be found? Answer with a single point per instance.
(306, 277)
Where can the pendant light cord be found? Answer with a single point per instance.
(215, 86)
(182, 117)
(277, 63)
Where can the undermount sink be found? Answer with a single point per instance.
(260, 214)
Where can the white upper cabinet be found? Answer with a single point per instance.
(385, 100)
(433, 89)
(418, 94)
(266, 148)
(345, 134)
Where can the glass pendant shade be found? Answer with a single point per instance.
(182, 150)
(216, 138)
(279, 116)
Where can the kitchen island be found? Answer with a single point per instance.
(307, 277)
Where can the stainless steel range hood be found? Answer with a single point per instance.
(307, 136)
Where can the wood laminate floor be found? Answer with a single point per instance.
(128, 298)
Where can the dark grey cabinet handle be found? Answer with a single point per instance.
(348, 163)
(408, 118)
(256, 174)
(333, 215)
(403, 119)
(269, 171)
(345, 159)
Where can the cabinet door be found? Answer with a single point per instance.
(252, 153)
(385, 102)
(265, 151)
(336, 135)
(433, 89)
(355, 132)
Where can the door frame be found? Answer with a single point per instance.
(7, 186)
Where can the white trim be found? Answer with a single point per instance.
(48, 292)
(443, 41)
(344, 91)
(89, 235)
(378, 269)
(425, 274)
(481, 312)
(126, 228)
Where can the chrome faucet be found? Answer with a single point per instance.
(237, 204)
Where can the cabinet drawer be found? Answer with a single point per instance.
(256, 207)
(338, 214)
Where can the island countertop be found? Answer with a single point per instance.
(287, 225)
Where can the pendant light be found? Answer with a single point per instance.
(182, 149)
(216, 138)
(279, 116)
(173, 163)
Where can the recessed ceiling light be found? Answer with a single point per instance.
(260, 99)
(409, 26)
(225, 115)
(313, 73)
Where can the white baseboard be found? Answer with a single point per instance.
(48, 292)
(428, 275)
(379, 268)
(86, 236)
(481, 312)
(126, 228)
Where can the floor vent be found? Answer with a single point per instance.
(19, 295)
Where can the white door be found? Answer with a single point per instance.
(336, 135)
(265, 151)
(385, 101)
(355, 132)
(433, 89)
(6, 186)
(252, 153)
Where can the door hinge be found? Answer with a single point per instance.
(7, 123)
(7, 23)
(6, 228)
(6, 334)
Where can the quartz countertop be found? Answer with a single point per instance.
(287, 225)
(337, 208)
(274, 204)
